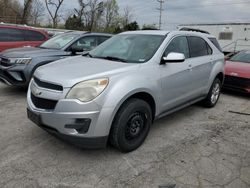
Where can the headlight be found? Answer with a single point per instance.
(20, 60)
(88, 90)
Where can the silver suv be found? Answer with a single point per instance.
(117, 90)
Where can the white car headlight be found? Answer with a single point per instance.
(88, 90)
(20, 60)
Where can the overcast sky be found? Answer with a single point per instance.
(183, 11)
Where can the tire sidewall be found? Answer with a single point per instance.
(132, 107)
(209, 100)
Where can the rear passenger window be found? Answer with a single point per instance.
(33, 36)
(209, 49)
(11, 35)
(198, 47)
(178, 45)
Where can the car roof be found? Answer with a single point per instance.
(85, 33)
(20, 27)
(161, 32)
(147, 32)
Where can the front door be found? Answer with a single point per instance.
(175, 77)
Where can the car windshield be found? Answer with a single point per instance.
(129, 48)
(242, 57)
(59, 42)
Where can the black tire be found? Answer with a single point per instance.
(213, 94)
(131, 125)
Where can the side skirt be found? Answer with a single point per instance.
(179, 107)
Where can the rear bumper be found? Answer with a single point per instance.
(237, 84)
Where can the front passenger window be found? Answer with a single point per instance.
(86, 43)
(178, 45)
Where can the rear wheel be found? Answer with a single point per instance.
(131, 125)
(213, 95)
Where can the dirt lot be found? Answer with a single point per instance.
(195, 147)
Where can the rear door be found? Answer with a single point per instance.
(33, 38)
(201, 64)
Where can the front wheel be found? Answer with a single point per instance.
(131, 125)
(213, 95)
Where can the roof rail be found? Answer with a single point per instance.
(10, 24)
(195, 30)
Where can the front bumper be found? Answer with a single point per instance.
(237, 84)
(81, 142)
(67, 114)
(14, 75)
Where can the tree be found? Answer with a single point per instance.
(26, 11)
(111, 12)
(127, 16)
(149, 27)
(10, 11)
(74, 23)
(90, 12)
(37, 12)
(54, 5)
(131, 26)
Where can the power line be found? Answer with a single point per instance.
(160, 9)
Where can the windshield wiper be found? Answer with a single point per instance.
(114, 59)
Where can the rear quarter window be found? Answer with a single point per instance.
(216, 44)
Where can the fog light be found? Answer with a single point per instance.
(80, 125)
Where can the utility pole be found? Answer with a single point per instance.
(160, 9)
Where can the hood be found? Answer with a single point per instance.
(70, 71)
(239, 69)
(32, 52)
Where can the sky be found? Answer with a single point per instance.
(182, 11)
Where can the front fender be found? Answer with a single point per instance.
(122, 88)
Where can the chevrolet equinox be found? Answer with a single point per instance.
(116, 91)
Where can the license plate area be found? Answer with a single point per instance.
(35, 118)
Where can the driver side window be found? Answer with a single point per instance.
(178, 45)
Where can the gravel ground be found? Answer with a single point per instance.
(195, 147)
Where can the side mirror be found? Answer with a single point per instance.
(173, 58)
(76, 50)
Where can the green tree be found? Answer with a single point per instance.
(131, 26)
(74, 23)
(149, 27)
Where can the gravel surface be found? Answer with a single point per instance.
(195, 147)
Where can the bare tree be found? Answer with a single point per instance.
(95, 12)
(26, 11)
(54, 5)
(111, 12)
(90, 12)
(37, 12)
(127, 16)
(10, 11)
